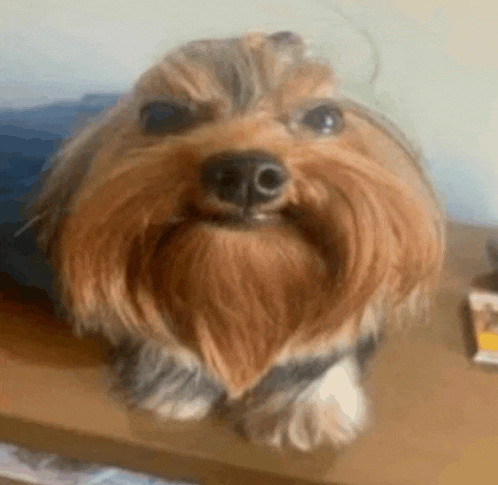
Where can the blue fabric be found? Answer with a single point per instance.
(29, 138)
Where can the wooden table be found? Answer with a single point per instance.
(436, 413)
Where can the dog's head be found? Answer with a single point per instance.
(234, 207)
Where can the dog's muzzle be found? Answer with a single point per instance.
(244, 179)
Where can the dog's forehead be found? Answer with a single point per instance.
(238, 72)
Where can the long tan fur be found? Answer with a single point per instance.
(357, 227)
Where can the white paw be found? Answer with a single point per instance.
(342, 402)
(341, 426)
(333, 409)
(182, 411)
(314, 423)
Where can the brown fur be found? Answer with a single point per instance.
(357, 226)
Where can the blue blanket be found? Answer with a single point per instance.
(29, 141)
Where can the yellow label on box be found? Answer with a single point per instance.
(488, 341)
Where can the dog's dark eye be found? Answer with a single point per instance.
(163, 117)
(325, 119)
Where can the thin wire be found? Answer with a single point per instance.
(367, 36)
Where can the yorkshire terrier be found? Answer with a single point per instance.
(240, 232)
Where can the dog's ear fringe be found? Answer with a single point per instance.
(422, 289)
(73, 161)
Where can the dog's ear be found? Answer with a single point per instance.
(273, 54)
(51, 199)
(421, 243)
(287, 45)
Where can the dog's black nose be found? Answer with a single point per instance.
(244, 179)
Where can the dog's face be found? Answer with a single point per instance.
(234, 208)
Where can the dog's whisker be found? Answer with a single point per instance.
(27, 226)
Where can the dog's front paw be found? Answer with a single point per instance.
(342, 404)
(314, 424)
(193, 410)
(342, 426)
(297, 425)
(307, 425)
(332, 410)
(158, 381)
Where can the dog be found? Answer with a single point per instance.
(241, 233)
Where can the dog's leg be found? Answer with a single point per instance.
(304, 412)
(161, 382)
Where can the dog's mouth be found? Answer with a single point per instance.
(244, 217)
(240, 221)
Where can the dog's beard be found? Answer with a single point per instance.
(238, 294)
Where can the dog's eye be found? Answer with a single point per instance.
(166, 117)
(324, 120)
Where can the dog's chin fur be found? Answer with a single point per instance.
(260, 310)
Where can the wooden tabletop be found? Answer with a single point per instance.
(436, 413)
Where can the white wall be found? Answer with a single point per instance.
(439, 64)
